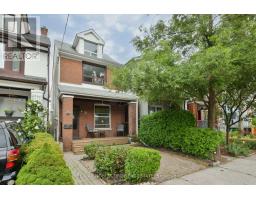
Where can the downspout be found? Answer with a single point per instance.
(48, 88)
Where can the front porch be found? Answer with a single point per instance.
(84, 120)
(78, 145)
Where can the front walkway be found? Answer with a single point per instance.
(240, 171)
(80, 174)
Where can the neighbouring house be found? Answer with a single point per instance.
(24, 65)
(200, 113)
(84, 106)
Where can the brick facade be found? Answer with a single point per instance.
(67, 119)
(70, 71)
(132, 118)
(86, 116)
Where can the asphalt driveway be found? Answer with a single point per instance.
(240, 171)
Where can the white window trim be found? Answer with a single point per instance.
(91, 53)
(104, 105)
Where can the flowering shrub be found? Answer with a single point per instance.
(34, 119)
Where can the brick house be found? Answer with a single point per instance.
(24, 65)
(83, 105)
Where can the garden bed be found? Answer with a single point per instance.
(172, 165)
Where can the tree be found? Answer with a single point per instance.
(151, 76)
(210, 51)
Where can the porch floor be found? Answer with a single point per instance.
(78, 145)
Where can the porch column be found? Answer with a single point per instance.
(67, 122)
(132, 118)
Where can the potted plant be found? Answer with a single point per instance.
(9, 112)
(254, 125)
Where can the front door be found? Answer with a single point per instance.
(76, 111)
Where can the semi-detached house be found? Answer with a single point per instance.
(84, 106)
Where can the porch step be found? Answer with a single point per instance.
(78, 145)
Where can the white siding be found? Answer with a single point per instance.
(91, 37)
(80, 46)
(36, 67)
(143, 108)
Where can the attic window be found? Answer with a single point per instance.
(90, 48)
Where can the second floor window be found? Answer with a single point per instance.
(90, 48)
(93, 74)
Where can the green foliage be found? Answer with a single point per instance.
(254, 121)
(33, 121)
(251, 144)
(91, 150)
(238, 148)
(141, 164)
(200, 142)
(157, 128)
(110, 161)
(175, 130)
(39, 140)
(44, 163)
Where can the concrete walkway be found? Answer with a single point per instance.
(240, 171)
(80, 174)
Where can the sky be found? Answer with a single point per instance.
(116, 30)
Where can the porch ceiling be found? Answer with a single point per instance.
(96, 93)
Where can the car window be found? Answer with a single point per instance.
(2, 139)
(13, 139)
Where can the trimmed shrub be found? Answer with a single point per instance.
(110, 161)
(251, 144)
(44, 163)
(157, 128)
(141, 164)
(45, 167)
(200, 142)
(91, 150)
(176, 130)
(39, 140)
(238, 148)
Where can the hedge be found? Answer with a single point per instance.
(45, 164)
(110, 161)
(155, 128)
(141, 164)
(91, 150)
(176, 130)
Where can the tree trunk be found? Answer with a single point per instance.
(227, 134)
(211, 107)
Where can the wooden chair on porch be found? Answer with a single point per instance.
(90, 131)
(120, 130)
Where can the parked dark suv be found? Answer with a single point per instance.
(10, 160)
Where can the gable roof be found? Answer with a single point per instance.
(83, 33)
(68, 48)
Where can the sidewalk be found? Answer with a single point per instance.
(80, 174)
(240, 171)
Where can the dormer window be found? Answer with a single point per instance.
(90, 48)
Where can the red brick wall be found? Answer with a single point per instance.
(132, 118)
(67, 118)
(70, 71)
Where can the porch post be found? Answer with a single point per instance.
(67, 122)
(132, 118)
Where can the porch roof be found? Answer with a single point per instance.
(81, 90)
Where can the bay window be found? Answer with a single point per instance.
(102, 116)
